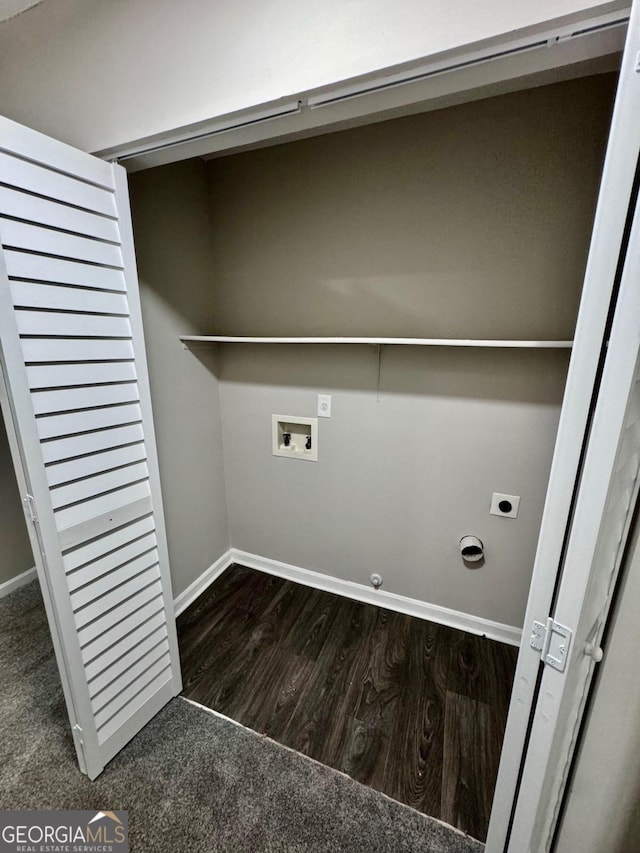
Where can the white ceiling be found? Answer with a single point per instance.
(9, 8)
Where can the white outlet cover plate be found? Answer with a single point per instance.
(324, 405)
(497, 498)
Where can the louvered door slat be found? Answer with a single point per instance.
(133, 699)
(144, 623)
(82, 490)
(91, 442)
(86, 466)
(32, 238)
(59, 297)
(56, 426)
(24, 265)
(108, 563)
(109, 643)
(86, 615)
(58, 376)
(107, 629)
(70, 399)
(74, 360)
(123, 689)
(31, 208)
(96, 588)
(23, 142)
(148, 645)
(39, 350)
(72, 325)
(44, 182)
(91, 551)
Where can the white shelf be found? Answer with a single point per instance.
(416, 342)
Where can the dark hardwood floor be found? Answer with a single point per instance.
(411, 708)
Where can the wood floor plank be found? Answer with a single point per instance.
(378, 681)
(213, 668)
(329, 697)
(481, 668)
(278, 693)
(205, 613)
(414, 709)
(344, 663)
(309, 635)
(235, 597)
(254, 655)
(230, 583)
(382, 666)
(363, 752)
(414, 767)
(267, 674)
(470, 764)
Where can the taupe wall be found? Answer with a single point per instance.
(467, 222)
(399, 481)
(15, 550)
(171, 231)
(470, 222)
(603, 809)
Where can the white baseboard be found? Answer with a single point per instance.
(200, 584)
(12, 585)
(389, 600)
(348, 589)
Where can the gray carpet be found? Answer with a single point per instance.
(190, 781)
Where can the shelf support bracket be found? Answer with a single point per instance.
(379, 374)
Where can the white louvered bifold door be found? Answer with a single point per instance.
(546, 705)
(604, 509)
(78, 412)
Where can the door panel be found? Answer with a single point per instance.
(77, 404)
(603, 513)
(606, 254)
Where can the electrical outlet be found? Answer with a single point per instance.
(505, 505)
(324, 405)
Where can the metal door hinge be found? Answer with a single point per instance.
(31, 508)
(552, 640)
